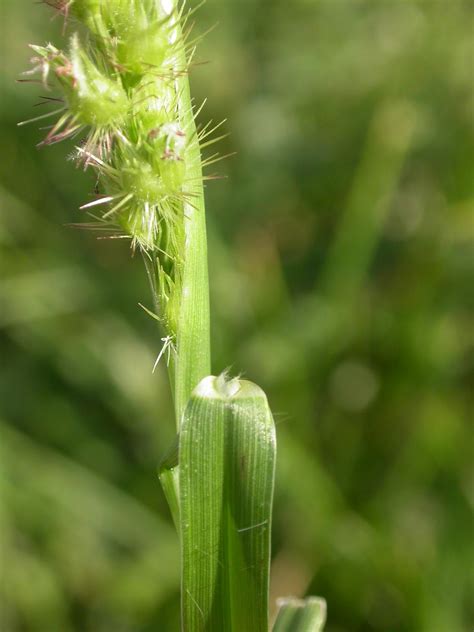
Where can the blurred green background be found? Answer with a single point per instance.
(339, 256)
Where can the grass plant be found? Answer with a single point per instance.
(122, 93)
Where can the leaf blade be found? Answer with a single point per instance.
(227, 461)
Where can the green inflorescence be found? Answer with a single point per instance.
(121, 90)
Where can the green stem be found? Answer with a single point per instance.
(193, 350)
(193, 359)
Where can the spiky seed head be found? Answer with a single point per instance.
(122, 87)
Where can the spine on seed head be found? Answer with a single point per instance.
(120, 89)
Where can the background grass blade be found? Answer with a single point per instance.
(226, 461)
(297, 615)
